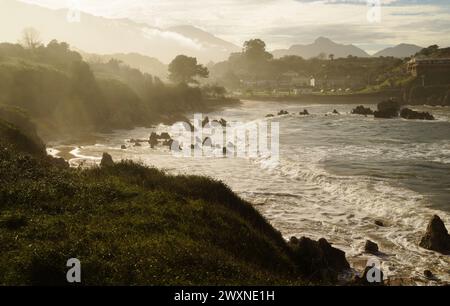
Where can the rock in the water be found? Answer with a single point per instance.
(428, 274)
(361, 110)
(107, 160)
(318, 259)
(283, 112)
(436, 238)
(387, 109)
(335, 112)
(371, 247)
(123, 147)
(165, 136)
(223, 122)
(379, 223)
(137, 144)
(269, 116)
(304, 113)
(407, 113)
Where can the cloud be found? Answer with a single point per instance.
(282, 23)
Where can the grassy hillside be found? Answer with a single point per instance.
(133, 225)
(67, 97)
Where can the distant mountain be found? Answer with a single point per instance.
(100, 35)
(144, 63)
(205, 38)
(321, 45)
(400, 51)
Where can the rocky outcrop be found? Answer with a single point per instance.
(123, 147)
(107, 161)
(304, 113)
(283, 112)
(318, 259)
(436, 238)
(407, 113)
(335, 112)
(361, 110)
(387, 109)
(270, 116)
(371, 247)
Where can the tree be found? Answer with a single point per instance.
(184, 69)
(30, 38)
(255, 50)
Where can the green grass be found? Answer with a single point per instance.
(131, 225)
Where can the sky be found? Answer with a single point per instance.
(282, 23)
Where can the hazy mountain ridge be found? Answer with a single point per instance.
(321, 45)
(399, 51)
(109, 36)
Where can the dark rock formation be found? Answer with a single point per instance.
(318, 259)
(379, 223)
(223, 122)
(304, 113)
(407, 113)
(387, 109)
(361, 110)
(428, 274)
(137, 144)
(165, 136)
(123, 147)
(335, 112)
(107, 160)
(168, 142)
(283, 112)
(153, 140)
(371, 247)
(269, 116)
(436, 238)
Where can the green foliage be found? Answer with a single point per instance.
(66, 96)
(184, 69)
(131, 225)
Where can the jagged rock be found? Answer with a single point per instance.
(165, 136)
(106, 161)
(379, 223)
(428, 274)
(270, 116)
(153, 139)
(387, 109)
(283, 112)
(335, 112)
(407, 113)
(304, 113)
(436, 238)
(318, 259)
(168, 142)
(123, 147)
(371, 247)
(223, 122)
(361, 110)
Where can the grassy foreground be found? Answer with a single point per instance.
(128, 225)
